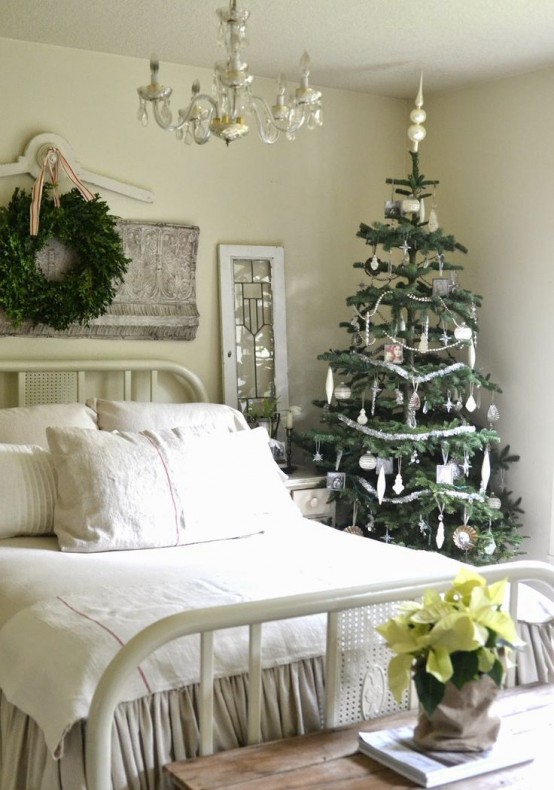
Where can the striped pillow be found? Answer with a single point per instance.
(27, 490)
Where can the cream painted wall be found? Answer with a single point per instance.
(309, 196)
(492, 147)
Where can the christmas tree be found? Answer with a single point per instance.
(408, 437)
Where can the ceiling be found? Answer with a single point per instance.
(372, 46)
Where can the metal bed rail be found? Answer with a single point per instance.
(79, 368)
(253, 614)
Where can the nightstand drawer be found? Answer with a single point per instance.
(313, 502)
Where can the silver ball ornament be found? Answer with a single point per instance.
(368, 461)
(342, 391)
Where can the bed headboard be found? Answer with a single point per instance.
(65, 381)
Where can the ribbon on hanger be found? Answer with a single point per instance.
(52, 161)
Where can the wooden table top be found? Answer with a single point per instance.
(330, 758)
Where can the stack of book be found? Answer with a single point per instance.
(396, 749)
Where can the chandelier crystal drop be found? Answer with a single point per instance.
(227, 111)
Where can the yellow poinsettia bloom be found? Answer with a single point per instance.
(458, 631)
(399, 672)
(439, 664)
(400, 637)
(468, 618)
(464, 584)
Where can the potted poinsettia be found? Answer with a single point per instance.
(454, 647)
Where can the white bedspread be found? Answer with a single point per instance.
(66, 615)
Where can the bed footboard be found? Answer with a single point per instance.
(334, 603)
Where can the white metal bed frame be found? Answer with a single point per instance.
(206, 621)
(31, 389)
(253, 614)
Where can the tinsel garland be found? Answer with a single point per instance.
(414, 437)
(419, 494)
(392, 368)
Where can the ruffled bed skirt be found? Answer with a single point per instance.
(156, 730)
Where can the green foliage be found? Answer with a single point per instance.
(81, 294)
(264, 411)
(398, 303)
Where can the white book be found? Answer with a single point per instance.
(396, 749)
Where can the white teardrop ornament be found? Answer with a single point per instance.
(329, 385)
(485, 471)
(381, 484)
(362, 417)
(439, 539)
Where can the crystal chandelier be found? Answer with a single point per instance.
(225, 112)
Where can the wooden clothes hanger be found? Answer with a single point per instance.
(31, 162)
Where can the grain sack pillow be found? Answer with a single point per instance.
(115, 491)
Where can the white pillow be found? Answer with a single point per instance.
(27, 424)
(115, 491)
(202, 418)
(228, 484)
(27, 490)
(130, 491)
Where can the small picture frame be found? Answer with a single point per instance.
(394, 353)
(445, 474)
(336, 481)
(386, 464)
(393, 209)
(441, 286)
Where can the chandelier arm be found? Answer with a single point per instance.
(264, 116)
(185, 115)
(264, 121)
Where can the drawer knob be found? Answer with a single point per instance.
(314, 502)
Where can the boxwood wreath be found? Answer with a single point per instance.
(83, 293)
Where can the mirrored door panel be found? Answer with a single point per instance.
(253, 321)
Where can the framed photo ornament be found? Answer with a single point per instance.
(336, 481)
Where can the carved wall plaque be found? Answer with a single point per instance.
(156, 300)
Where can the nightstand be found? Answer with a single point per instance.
(308, 491)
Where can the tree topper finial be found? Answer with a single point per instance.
(416, 132)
